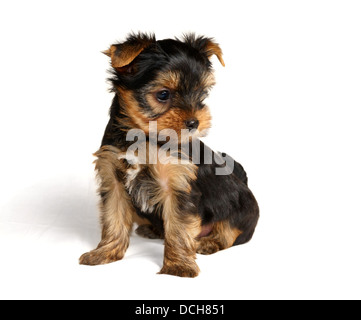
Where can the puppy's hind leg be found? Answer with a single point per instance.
(222, 237)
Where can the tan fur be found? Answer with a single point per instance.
(116, 213)
(181, 229)
(214, 48)
(208, 81)
(124, 57)
(136, 118)
(138, 220)
(169, 79)
(204, 117)
(221, 237)
(174, 177)
(174, 119)
(124, 53)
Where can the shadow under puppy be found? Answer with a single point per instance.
(187, 204)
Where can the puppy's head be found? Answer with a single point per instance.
(165, 81)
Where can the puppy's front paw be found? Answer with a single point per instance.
(99, 256)
(180, 270)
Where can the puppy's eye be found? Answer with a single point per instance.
(163, 95)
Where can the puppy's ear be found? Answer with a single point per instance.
(206, 46)
(122, 54)
(213, 48)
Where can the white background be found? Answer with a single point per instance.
(287, 106)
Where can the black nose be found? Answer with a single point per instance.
(191, 124)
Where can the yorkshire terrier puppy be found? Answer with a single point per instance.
(160, 88)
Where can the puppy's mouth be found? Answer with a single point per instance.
(195, 133)
(184, 136)
(203, 133)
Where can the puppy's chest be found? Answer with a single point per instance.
(143, 187)
(149, 186)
